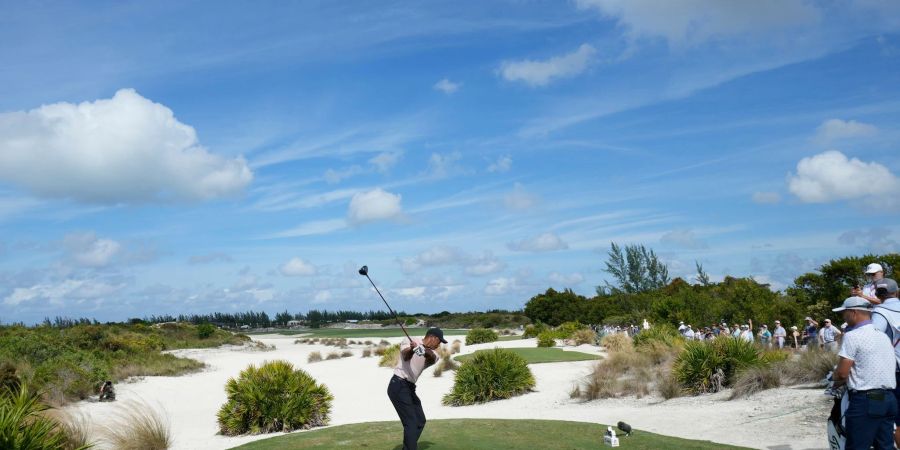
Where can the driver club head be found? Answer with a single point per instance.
(364, 270)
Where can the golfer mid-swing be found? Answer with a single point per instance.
(415, 356)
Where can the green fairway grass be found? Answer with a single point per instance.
(465, 434)
(361, 332)
(536, 355)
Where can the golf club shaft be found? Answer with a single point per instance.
(391, 310)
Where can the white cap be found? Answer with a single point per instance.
(874, 267)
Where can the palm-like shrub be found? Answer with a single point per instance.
(273, 397)
(490, 375)
(546, 339)
(480, 336)
(708, 366)
(390, 356)
(24, 425)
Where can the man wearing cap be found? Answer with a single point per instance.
(810, 333)
(415, 356)
(828, 336)
(681, 327)
(765, 336)
(886, 318)
(779, 334)
(875, 274)
(867, 367)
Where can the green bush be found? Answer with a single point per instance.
(205, 330)
(567, 330)
(24, 424)
(480, 336)
(708, 366)
(533, 330)
(546, 339)
(390, 356)
(490, 375)
(663, 333)
(273, 397)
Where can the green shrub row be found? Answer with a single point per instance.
(480, 336)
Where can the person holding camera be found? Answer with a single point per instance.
(875, 277)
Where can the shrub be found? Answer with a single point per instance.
(709, 366)
(366, 353)
(669, 387)
(585, 336)
(567, 330)
(623, 373)
(24, 425)
(810, 367)
(616, 342)
(390, 356)
(314, 357)
(455, 347)
(490, 375)
(9, 379)
(384, 343)
(546, 339)
(755, 379)
(445, 362)
(333, 355)
(346, 354)
(76, 428)
(138, 427)
(533, 330)
(368, 342)
(480, 336)
(273, 397)
(664, 334)
(205, 330)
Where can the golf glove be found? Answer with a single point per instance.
(419, 350)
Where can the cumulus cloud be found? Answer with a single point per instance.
(126, 149)
(373, 206)
(502, 164)
(385, 161)
(831, 176)
(769, 198)
(697, 21)
(519, 199)
(500, 286)
(88, 250)
(57, 293)
(836, 129)
(566, 279)
(446, 86)
(684, 239)
(485, 265)
(444, 165)
(542, 72)
(297, 267)
(439, 255)
(546, 242)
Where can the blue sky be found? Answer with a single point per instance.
(188, 157)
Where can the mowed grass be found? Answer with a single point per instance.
(539, 355)
(465, 434)
(362, 333)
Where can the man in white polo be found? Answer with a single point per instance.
(415, 356)
(874, 275)
(828, 336)
(867, 366)
(779, 334)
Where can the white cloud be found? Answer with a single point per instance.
(322, 297)
(311, 228)
(831, 176)
(86, 249)
(546, 242)
(766, 197)
(58, 293)
(541, 73)
(374, 205)
(500, 286)
(126, 149)
(297, 267)
(519, 199)
(485, 265)
(384, 161)
(446, 86)
(684, 239)
(335, 176)
(691, 22)
(836, 129)
(873, 240)
(503, 164)
(444, 165)
(566, 280)
(435, 256)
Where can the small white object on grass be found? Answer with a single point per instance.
(610, 438)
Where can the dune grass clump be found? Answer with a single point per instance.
(273, 397)
(811, 367)
(366, 353)
(455, 347)
(585, 336)
(490, 375)
(445, 361)
(755, 379)
(314, 357)
(76, 428)
(346, 354)
(480, 336)
(623, 373)
(390, 356)
(138, 427)
(368, 343)
(333, 355)
(616, 342)
(546, 339)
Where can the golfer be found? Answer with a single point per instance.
(415, 356)
(867, 367)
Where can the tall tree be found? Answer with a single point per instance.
(635, 270)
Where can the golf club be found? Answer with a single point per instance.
(364, 270)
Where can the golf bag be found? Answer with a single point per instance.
(837, 437)
(107, 393)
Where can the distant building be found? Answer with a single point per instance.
(293, 323)
(245, 327)
(352, 321)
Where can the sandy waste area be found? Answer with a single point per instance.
(786, 418)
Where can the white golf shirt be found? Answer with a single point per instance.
(872, 356)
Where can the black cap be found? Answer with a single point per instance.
(436, 332)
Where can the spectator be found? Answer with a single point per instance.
(810, 332)
(736, 332)
(765, 336)
(688, 333)
(681, 327)
(874, 275)
(828, 336)
(795, 335)
(746, 333)
(886, 318)
(868, 369)
(780, 334)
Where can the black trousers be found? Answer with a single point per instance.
(403, 395)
